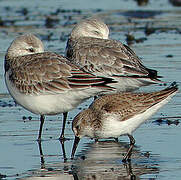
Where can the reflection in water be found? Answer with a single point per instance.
(49, 170)
(161, 50)
(42, 161)
(102, 160)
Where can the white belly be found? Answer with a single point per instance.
(50, 104)
(113, 127)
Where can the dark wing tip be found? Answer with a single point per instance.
(152, 73)
(106, 82)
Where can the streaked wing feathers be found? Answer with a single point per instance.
(108, 57)
(49, 73)
(128, 105)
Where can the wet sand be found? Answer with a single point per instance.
(154, 33)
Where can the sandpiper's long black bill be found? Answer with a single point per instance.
(76, 142)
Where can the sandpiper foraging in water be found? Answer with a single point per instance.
(46, 83)
(90, 47)
(113, 115)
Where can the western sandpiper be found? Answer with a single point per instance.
(46, 83)
(113, 115)
(90, 47)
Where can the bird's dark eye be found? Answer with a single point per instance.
(31, 50)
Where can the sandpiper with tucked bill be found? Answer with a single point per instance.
(113, 115)
(90, 47)
(46, 83)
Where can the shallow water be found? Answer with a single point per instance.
(157, 153)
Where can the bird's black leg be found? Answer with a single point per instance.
(128, 154)
(42, 119)
(62, 138)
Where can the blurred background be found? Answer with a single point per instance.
(152, 28)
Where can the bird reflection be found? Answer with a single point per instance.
(42, 160)
(103, 160)
(98, 161)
